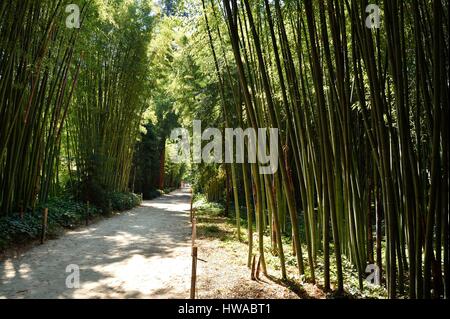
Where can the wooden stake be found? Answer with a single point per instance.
(194, 231)
(194, 271)
(44, 225)
(192, 213)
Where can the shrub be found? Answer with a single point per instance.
(123, 201)
(63, 212)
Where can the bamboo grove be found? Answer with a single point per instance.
(362, 114)
(37, 73)
(361, 108)
(70, 98)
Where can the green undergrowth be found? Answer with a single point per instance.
(211, 223)
(63, 213)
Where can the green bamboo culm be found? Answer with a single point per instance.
(38, 72)
(71, 99)
(357, 138)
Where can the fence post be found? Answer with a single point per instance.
(194, 271)
(191, 211)
(194, 231)
(44, 225)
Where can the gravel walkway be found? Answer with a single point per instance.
(142, 253)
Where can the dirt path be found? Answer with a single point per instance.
(143, 253)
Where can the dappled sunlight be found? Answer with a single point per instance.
(311, 138)
(9, 270)
(140, 253)
(12, 271)
(124, 238)
(167, 206)
(25, 271)
(132, 274)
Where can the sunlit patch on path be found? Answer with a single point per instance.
(143, 253)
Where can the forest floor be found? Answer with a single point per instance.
(225, 274)
(142, 253)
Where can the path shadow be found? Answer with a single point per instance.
(292, 285)
(119, 247)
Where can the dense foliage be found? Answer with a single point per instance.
(362, 116)
(38, 72)
(364, 146)
(363, 141)
(63, 213)
(72, 99)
